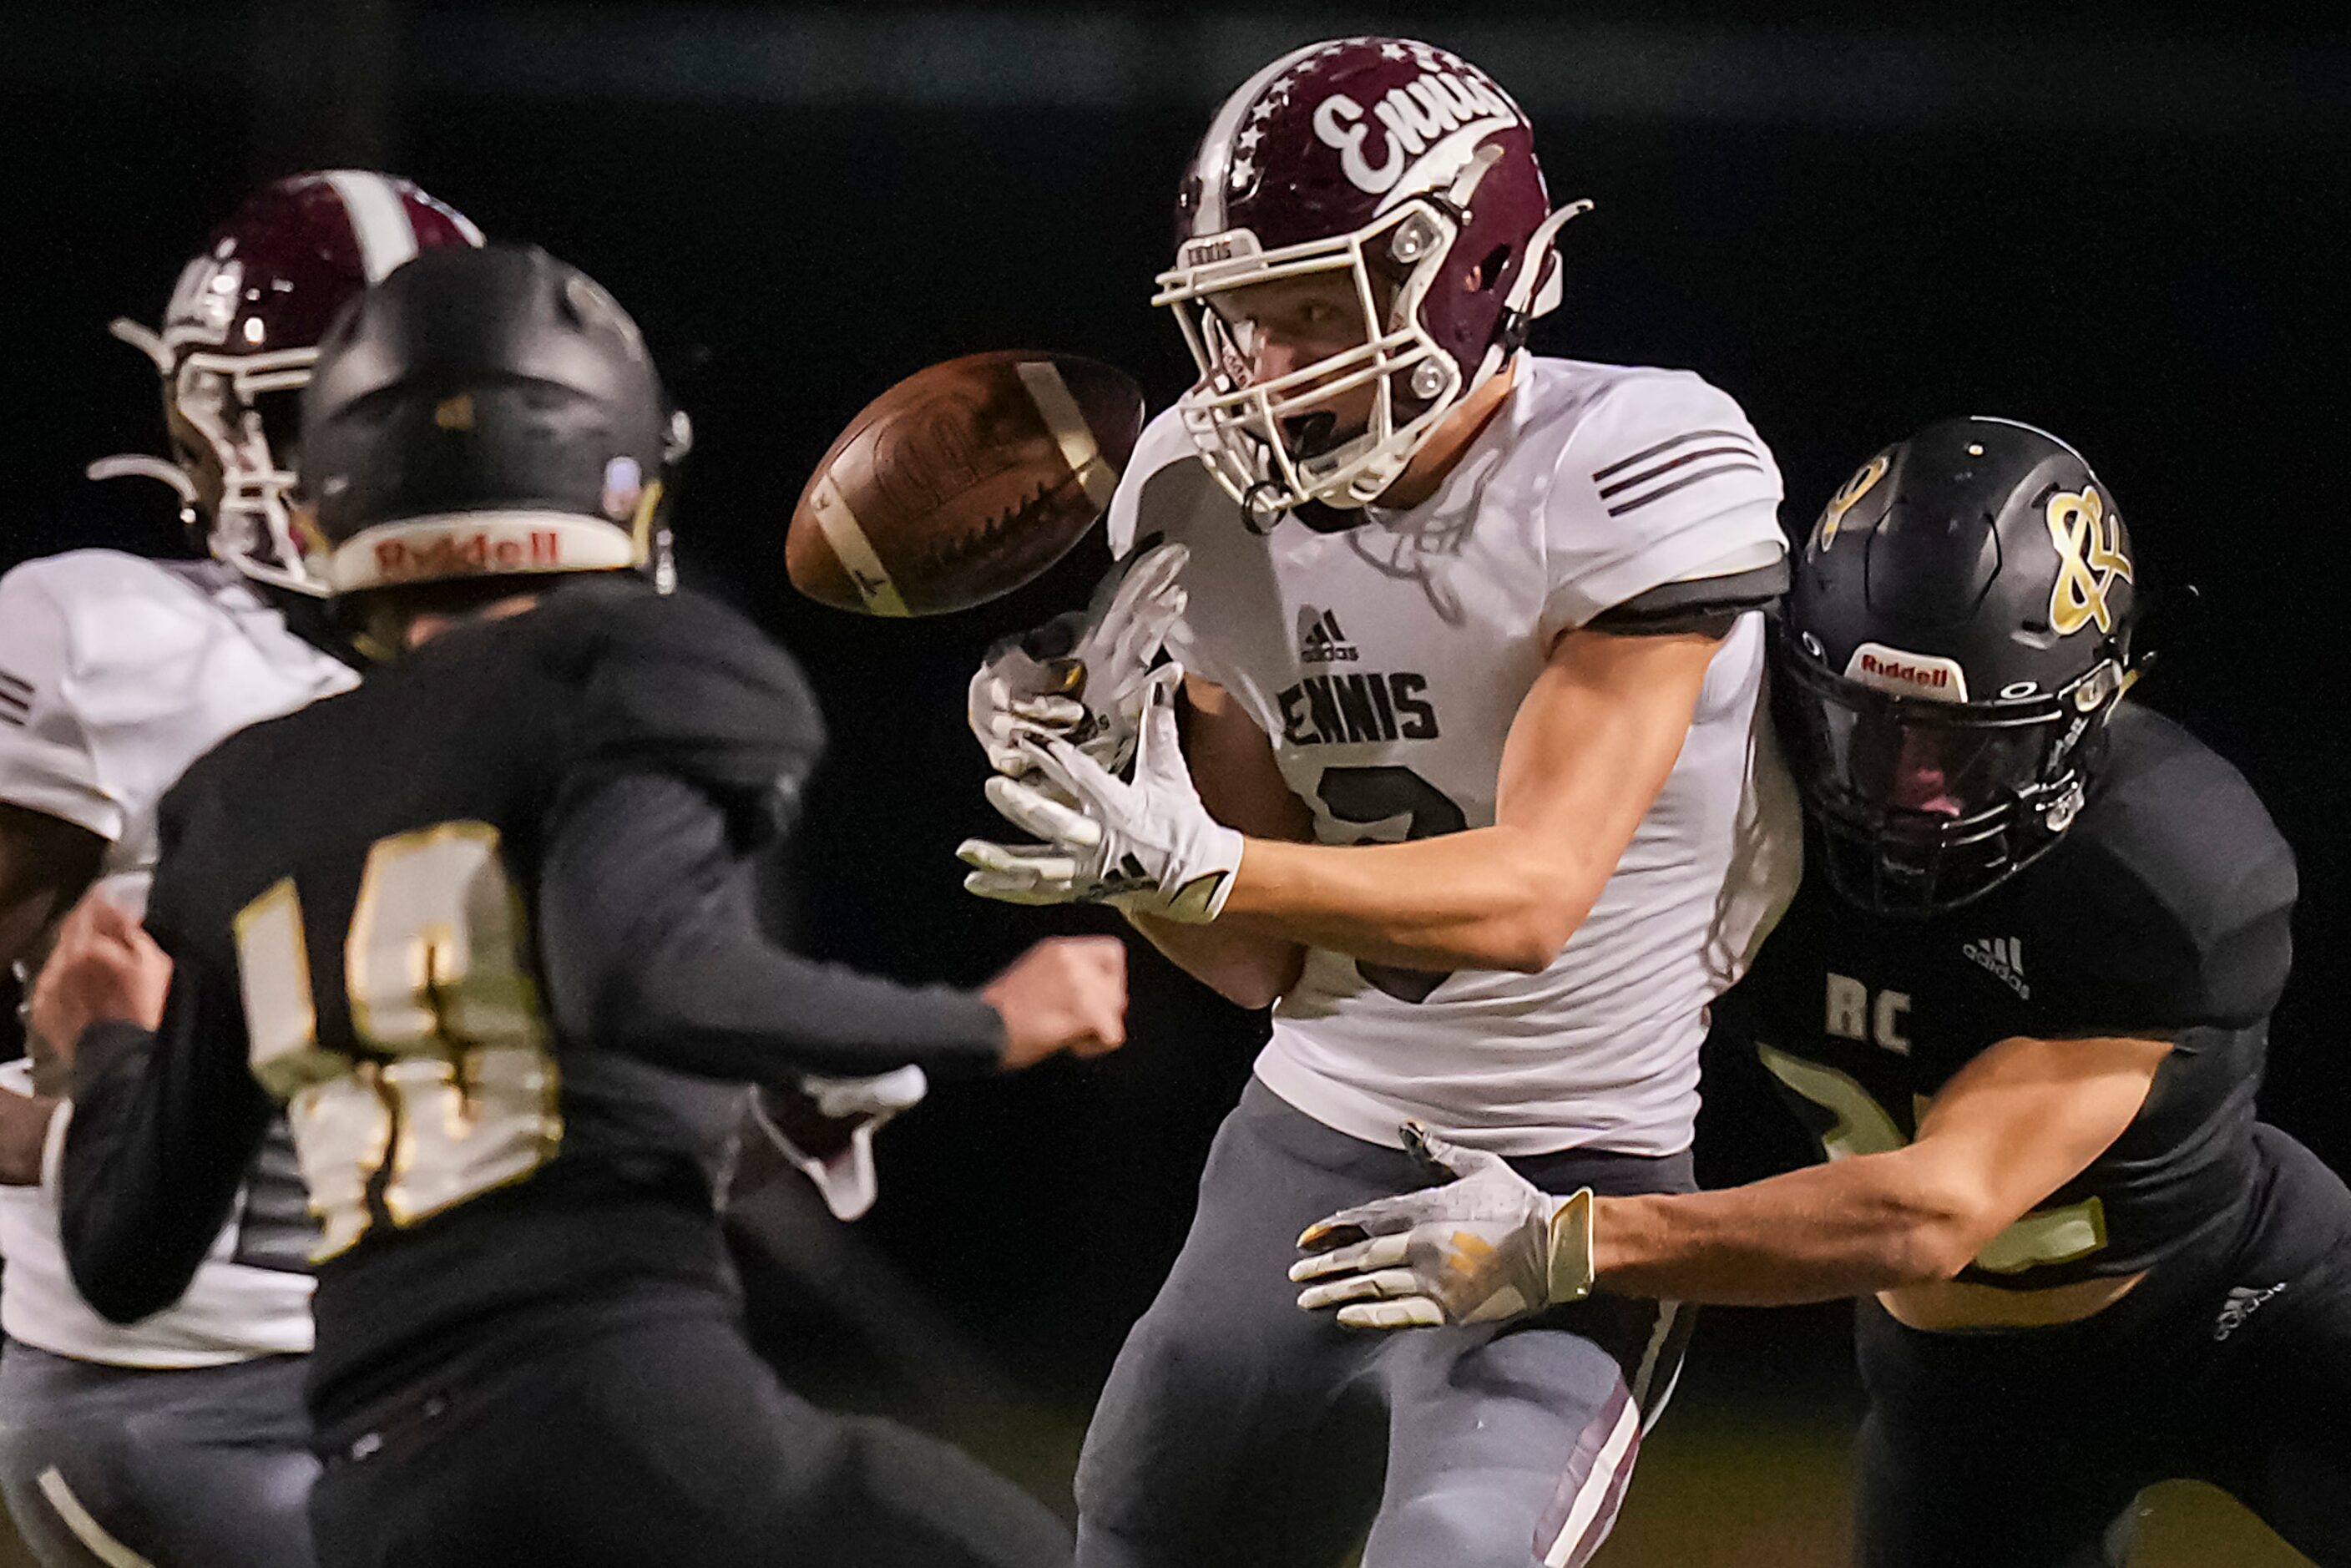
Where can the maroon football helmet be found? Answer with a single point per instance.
(239, 338)
(1395, 163)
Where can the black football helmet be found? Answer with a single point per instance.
(1958, 631)
(483, 414)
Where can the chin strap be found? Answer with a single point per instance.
(140, 465)
(1536, 291)
(146, 340)
(1535, 273)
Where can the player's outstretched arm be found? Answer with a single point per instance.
(2014, 1126)
(1590, 748)
(651, 944)
(2011, 1128)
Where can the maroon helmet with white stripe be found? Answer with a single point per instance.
(241, 334)
(1396, 164)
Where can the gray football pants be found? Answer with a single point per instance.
(106, 1467)
(1236, 1429)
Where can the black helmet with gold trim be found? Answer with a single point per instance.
(483, 414)
(1956, 634)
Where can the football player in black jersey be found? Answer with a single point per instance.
(2023, 1003)
(485, 926)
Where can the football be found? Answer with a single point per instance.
(963, 482)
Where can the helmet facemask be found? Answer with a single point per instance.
(1928, 805)
(1257, 435)
(235, 421)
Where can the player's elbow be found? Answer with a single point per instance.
(1544, 912)
(1258, 976)
(1252, 989)
(1941, 1224)
(121, 1286)
(1927, 1250)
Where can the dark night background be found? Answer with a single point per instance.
(2127, 231)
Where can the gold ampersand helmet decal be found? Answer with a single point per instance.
(1853, 490)
(2089, 560)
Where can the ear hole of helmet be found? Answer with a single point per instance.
(1487, 273)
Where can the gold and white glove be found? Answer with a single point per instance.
(1488, 1247)
(1079, 676)
(1145, 843)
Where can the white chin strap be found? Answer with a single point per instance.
(1544, 280)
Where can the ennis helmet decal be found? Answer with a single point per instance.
(1433, 119)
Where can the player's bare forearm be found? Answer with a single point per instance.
(45, 863)
(1590, 748)
(1490, 898)
(1859, 1225)
(2011, 1128)
(1247, 969)
(1233, 768)
(23, 1135)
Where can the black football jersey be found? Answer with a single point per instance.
(485, 926)
(2162, 914)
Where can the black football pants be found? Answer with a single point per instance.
(105, 1465)
(2230, 1364)
(663, 1443)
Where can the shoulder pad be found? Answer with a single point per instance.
(682, 685)
(1168, 511)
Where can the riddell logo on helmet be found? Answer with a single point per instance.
(1435, 112)
(462, 555)
(1903, 674)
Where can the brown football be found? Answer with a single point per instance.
(963, 482)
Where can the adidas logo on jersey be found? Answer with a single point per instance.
(2003, 956)
(1320, 641)
(2242, 1303)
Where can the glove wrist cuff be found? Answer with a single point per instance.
(1197, 884)
(1571, 1247)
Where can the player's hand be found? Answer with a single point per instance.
(104, 967)
(825, 1126)
(1488, 1247)
(1147, 845)
(1079, 676)
(1066, 993)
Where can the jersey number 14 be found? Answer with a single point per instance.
(450, 1089)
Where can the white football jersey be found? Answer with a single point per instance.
(1386, 663)
(116, 673)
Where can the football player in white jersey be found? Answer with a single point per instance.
(1474, 785)
(116, 672)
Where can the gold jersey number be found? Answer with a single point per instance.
(2041, 1239)
(452, 1091)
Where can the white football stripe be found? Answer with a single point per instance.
(1668, 1312)
(856, 551)
(1060, 411)
(1572, 1549)
(87, 1530)
(379, 216)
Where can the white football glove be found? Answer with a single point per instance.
(1147, 845)
(1079, 676)
(1488, 1247)
(826, 1130)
